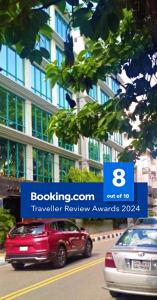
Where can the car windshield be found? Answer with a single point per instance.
(36, 228)
(139, 237)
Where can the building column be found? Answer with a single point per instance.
(83, 144)
(27, 74)
(28, 117)
(56, 168)
(101, 152)
(29, 162)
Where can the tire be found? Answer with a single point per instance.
(18, 266)
(61, 257)
(88, 249)
(114, 294)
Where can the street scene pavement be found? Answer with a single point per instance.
(79, 279)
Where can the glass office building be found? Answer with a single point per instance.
(27, 102)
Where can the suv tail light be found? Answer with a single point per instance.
(109, 261)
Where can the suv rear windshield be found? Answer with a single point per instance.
(31, 228)
(139, 237)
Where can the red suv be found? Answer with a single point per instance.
(46, 241)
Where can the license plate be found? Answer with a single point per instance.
(141, 265)
(23, 248)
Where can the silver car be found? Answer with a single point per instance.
(131, 264)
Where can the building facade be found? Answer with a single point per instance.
(146, 171)
(27, 102)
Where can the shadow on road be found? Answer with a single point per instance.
(131, 297)
(49, 266)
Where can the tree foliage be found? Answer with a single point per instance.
(6, 222)
(21, 25)
(123, 37)
(78, 175)
(120, 36)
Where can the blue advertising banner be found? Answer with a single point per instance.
(119, 181)
(79, 200)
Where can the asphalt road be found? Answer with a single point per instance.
(81, 279)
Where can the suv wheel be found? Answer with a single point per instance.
(18, 266)
(88, 249)
(61, 257)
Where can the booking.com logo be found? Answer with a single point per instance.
(62, 197)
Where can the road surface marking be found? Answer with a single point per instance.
(50, 280)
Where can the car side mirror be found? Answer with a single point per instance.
(82, 229)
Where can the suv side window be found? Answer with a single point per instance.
(72, 227)
(62, 226)
(54, 225)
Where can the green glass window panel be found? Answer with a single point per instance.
(44, 120)
(66, 146)
(39, 128)
(61, 92)
(40, 120)
(20, 115)
(64, 165)
(12, 158)
(115, 156)
(3, 157)
(44, 42)
(19, 69)
(43, 166)
(61, 26)
(117, 137)
(107, 153)
(21, 160)
(94, 150)
(12, 110)
(40, 86)
(40, 166)
(107, 80)
(93, 92)
(12, 64)
(48, 90)
(94, 170)
(59, 56)
(103, 97)
(114, 86)
(3, 107)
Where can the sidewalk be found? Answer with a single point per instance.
(95, 237)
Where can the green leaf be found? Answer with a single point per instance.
(25, 52)
(5, 18)
(36, 56)
(40, 17)
(113, 22)
(46, 30)
(61, 6)
(73, 2)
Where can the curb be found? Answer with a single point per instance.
(106, 236)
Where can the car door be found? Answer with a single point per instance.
(77, 238)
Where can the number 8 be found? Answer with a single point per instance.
(120, 177)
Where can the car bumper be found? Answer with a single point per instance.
(130, 283)
(30, 258)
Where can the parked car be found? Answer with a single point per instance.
(46, 241)
(146, 221)
(131, 264)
